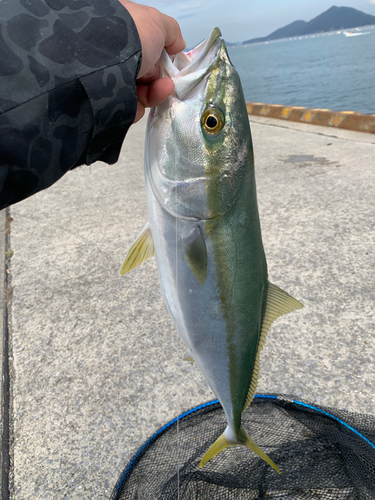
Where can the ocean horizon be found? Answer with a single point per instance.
(332, 70)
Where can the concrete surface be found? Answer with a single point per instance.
(96, 363)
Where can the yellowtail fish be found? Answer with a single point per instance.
(204, 230)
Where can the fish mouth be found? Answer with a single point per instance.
(188, 69)
(202, 55)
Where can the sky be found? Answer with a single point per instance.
(241, 20)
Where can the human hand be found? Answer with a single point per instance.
(156, 31)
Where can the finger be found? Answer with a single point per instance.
(156, 93)
(140, 112)
(174, 42)
(151, 76)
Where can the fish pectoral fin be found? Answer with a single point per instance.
(278, 303)
(141, 250)
(196, 254)
(244, 440)
(188, 356)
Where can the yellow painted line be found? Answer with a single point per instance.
(336, 120)
(286, 112)
(350, 120)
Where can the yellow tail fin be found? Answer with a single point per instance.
(223, 442)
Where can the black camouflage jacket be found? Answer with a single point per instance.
(67, 88)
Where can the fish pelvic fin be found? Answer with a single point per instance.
(141, 250)
(278, 303)
(243, 439)
(188, 356)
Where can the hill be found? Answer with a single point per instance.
(335, 18)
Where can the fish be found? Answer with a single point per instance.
(204, 230)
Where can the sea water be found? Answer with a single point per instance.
(329, 71)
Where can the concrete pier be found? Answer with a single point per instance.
(95, 362)
(348, 120)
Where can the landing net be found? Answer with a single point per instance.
(323, 454)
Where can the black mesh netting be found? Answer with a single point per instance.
(323, 454)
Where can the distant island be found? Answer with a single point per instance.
(335, 18)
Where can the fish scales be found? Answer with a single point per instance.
(204, 230)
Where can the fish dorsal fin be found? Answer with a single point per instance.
(141, 250)
(278, 303)
(196, 254)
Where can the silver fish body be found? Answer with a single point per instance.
(204, 229)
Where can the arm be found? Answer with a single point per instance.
(68, 90)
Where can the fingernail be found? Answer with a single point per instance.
(151, 72)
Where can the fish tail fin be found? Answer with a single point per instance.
(219, 445)
(249, 443)
(224, 441)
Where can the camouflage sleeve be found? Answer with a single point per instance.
(67, 88)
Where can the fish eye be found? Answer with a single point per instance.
(212, 121)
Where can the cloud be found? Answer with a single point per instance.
(195, 6)
(184, 16)
(372, 1)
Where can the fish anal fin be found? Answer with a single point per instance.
(141, 250)
(243, 439)
(196, 254)
(278, 303)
